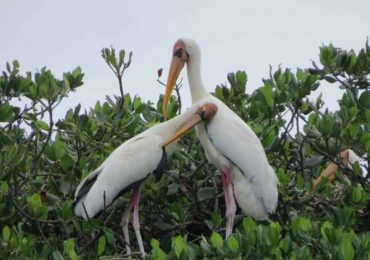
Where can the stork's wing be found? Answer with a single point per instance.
(128, 165)
(86, 184)
(236, 141)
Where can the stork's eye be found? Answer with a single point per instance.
(203, 114)
(178, 53)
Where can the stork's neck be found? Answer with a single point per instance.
(197, 89)
(169, 128)
(177, 122)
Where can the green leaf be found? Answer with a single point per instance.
(69, 248)
(345, 214)
(73, 255)
(216, 219)
(365, 138)
(157, 251)
(353, 111)
(99, 114)
(356, 194)
(216, 240)
(301, 226)
(249, 226)
(241, 77)
(6, 112)
(172, 189)
(109, 236)
(121, 56)
(6, 233)
(4, 187)
(34, 203)
(59, 147)
(303, 253)
(268, 94)
(42, 125)
(67, 163)
(66, 210)
(101, 245)
(8, 68)
(274, 233)
(26, 247)
(232, 79)
(179, 245)
(76, 73)
(327, 55)
(137, 103)
(206, 193)
(365, 99)
(57, 255)
(219, 93)
(347, 250)
(326, 125)
(269, 138)
(69, 245)
(312, 161)
(205, 245)
(233, 243)
(325, 228)
(286, 243)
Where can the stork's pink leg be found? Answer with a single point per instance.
(134, 202)
(135, 219)
(229, 200)
(124, 224)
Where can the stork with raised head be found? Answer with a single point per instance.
(229, 144)
(130, 164)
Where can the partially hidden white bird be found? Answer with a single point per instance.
(130, 164)
(347, 158)
(229, 144)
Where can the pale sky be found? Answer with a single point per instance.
(233, 35)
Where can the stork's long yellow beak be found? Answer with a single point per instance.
(206, 112)
(176, 66)
(195, 119)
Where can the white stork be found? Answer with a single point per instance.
(229, 144)
(128, 165)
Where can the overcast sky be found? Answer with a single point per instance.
(233, 35)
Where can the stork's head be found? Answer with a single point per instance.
(207, 111)
(203, 113)
(183, 51)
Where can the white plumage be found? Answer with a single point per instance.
(245, 155)
(229, 144)
(128, 165)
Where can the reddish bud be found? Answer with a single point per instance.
(159, 72)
